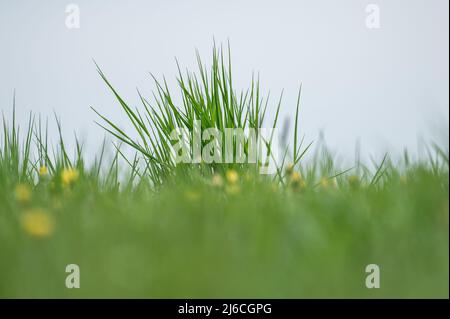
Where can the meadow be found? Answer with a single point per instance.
(144, 226)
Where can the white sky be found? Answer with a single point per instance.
(386, 87)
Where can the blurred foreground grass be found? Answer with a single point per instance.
(199, 239)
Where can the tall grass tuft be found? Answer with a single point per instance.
(207, 95)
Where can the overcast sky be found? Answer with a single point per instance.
(385, 86)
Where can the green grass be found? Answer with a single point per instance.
(145, 227)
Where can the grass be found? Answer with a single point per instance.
(145, 227)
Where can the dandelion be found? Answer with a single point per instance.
(69, 176)
(296, 176)
(232, 176)
(297, 182)
(38, 223)
(217, 180)
(43, 171)
(22, 193)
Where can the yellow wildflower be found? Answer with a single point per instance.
(22, 193)
(297, 181)
(36, 222)
(69, 176)
(43, 171)
(296, 176)
(232, 176)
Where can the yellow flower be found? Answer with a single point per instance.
(296, 176)
(36, 222)
(22, 193)
(296, 181)
(232, 176)
(43, 171)
(69, 176)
